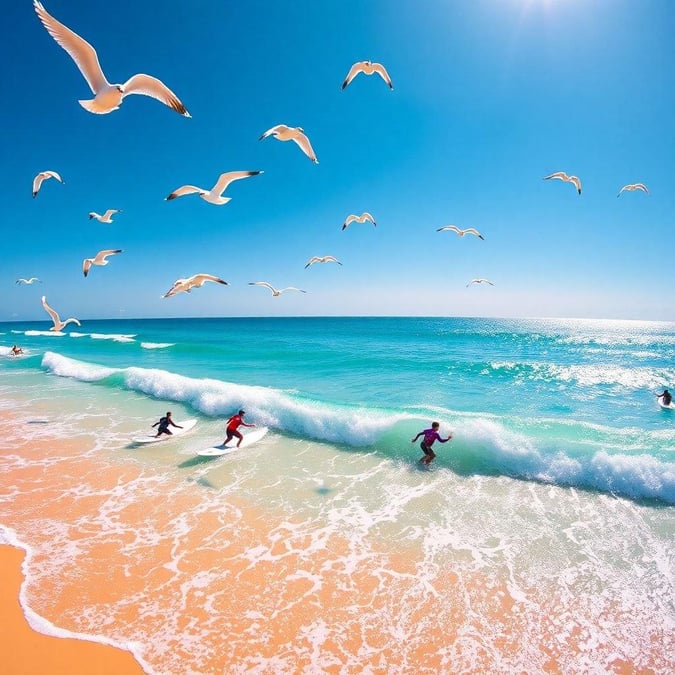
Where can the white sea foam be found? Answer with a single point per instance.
(156, 345)
(48, 333)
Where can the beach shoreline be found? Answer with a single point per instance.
(28, 651)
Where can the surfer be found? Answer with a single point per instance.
(164, 423)
(233, 424)
(430, 435)
(667, 397)
(15, 351)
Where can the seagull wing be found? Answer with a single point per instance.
(348, 221)
(185, 190)
(79, 49)
(449, 228)
(353, 72)
(263, 283)
(52, 174)
(201, 279)
(102, 255)
(151, 86)
(330, 258)
(474, 231)
(291, 288)
(641, 186)
(37, 182)
(226, 178)
(176, 288)
(303, 142)
(274, 130)
(368, 216)
(86, 265)
(382, 72)
(311, 261)
(561, 175)
(55, 317)
(110, 212)
(576, 182)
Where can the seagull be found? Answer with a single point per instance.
(99, 259)
(195, 281)
(32, 280)
(58, 324)
(275, 292)
(107, 97)
(322, 259)
(369, 68)
(358, 219)
(634, 186)
(297, 134)
(106, 217)
(561, 175)
(43, 176)
(479, 281)
(214, 195)
(460, 232)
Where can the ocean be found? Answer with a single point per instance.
(540, 540)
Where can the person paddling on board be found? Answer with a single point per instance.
(430, 435)
(15, 351)
(667, 397)
(164, 423)
(233, 424)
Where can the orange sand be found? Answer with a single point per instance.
(25, 651)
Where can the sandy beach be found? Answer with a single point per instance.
(26, 651)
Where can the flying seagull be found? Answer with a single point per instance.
(460, 232)
(275, 292)
(58, 324)
(297, 134)
(368, 68)
(41, 177)
(107, 97)
(561, 175)
(32, 280)
(106, 217)
(101, 258)
(322, 259)
(214, 195)
(479, 281)
(358, 219)
(632, 187)
(195, 281)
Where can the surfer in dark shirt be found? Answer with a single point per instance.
(163, 425)
(667, 397)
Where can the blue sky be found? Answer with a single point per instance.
(489, 96)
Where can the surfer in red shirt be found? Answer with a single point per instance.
(233, 424)
(430, 435)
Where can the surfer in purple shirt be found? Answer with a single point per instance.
(430, 435)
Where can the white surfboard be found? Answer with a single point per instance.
(186, 424)
(249, 438)
(669, 406)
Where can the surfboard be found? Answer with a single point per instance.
(249, 439)
(670, 406)
(186, 424)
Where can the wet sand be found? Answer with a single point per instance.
(26, 651)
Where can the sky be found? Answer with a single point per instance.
(489, 97)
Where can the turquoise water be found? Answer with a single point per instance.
(566, 402)
(541, 539)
